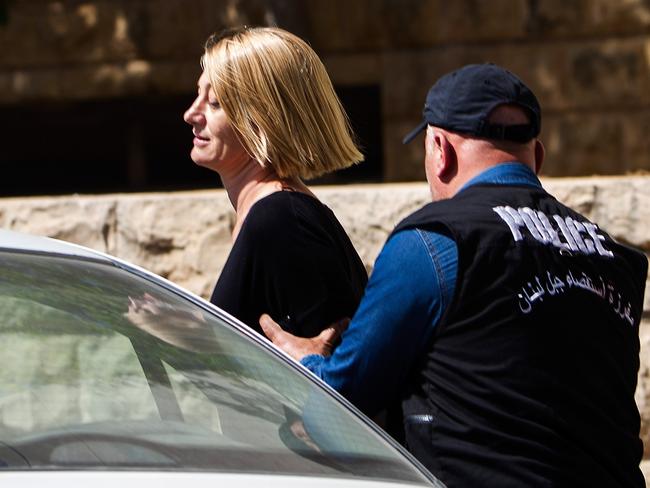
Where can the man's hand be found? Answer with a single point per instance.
(299, 347)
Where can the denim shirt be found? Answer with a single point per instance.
(412, 283)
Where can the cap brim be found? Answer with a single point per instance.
(413, 134)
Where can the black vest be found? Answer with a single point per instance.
(530, 376)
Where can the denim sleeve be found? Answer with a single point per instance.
(412, 283)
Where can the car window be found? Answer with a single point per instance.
(102, 367)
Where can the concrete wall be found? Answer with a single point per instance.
(588, 60)
(186, 236)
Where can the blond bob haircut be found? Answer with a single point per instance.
(280, 101)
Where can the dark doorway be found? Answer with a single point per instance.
(136, 144)
(363, 106)
(99, 146)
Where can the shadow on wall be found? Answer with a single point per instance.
(138, 144)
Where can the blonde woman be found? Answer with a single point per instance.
(266, 117)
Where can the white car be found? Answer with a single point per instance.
(113, 376)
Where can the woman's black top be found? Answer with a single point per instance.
(293, 260)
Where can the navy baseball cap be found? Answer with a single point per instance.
(461, 101)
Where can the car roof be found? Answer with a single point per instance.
(18, 241)
(172, 479)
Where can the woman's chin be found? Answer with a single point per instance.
(203, 162)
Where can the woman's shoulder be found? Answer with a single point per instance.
(286, 219)
(286, 209)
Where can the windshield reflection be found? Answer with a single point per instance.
(100, 362)
(176, 324)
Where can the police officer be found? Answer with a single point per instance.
(505, 322)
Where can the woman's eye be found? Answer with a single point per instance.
(214, 104)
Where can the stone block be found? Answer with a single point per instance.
(407, 76)
(552, 19)
(190, 25)
(606, 137)
(29, 85)
(110, 79)
(174, 77)
(89, 221)
(139, 77)
(117, 30)
(435, 22)
(369, 213)
(636, 143)
(338, 25)
(334, 26)
(588, 143)
(403, 162)
(439, 22)
(608, 74)
(620, 205)
(354, 69)
(87, 82)
(185, 238)
(47, 33)
(585, 75)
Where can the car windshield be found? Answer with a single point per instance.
(105, 368)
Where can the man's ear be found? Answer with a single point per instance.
(540, 152)
(447, 155)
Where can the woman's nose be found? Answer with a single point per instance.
(192, 114)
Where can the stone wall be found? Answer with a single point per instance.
(185, 237)
(588, 60)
